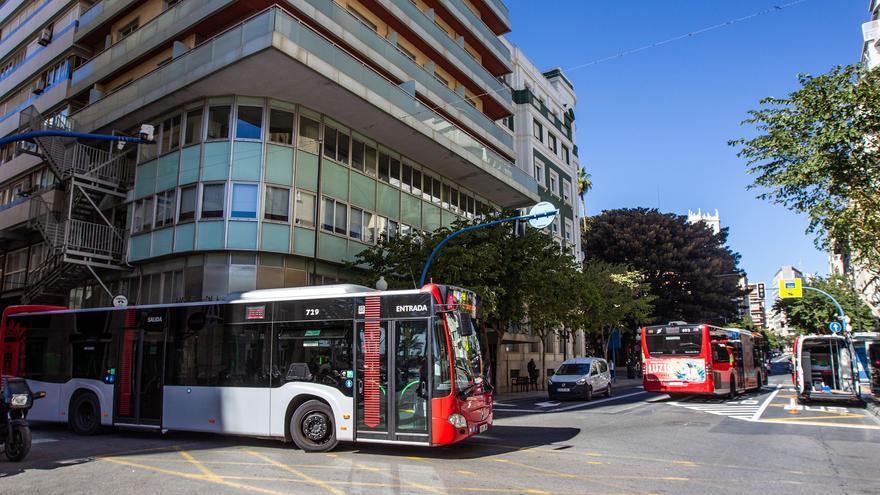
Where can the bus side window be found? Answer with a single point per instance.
(719, 354)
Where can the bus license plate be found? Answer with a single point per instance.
(484, 427)
(675, 384)
(560, 389)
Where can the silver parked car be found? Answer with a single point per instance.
(580, 378)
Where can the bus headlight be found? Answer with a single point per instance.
(19, 400)
(457, 420)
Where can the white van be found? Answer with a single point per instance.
(580, 378)
(824, 368)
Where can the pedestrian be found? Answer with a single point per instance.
(611, 366)
(533, 373)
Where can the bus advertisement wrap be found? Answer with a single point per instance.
(678, 370)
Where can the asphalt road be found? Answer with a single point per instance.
(633, 442)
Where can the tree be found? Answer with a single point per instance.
(691, 273)
(585, 183)
(813, 312)
(817, 153)
(610, 296)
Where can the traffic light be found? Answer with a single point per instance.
(761, 291)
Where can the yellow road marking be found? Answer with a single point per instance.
(410, 484)
(375, 484)
(201, 467)
(190, 476)
(289, 469)
(807, 418)
(822, 423)
(566, 475)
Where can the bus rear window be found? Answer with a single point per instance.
(682, 344)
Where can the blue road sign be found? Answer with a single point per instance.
(835, 326)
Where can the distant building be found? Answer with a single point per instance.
(776, 319)
(871, 35)
(712, 221)
(757, 312)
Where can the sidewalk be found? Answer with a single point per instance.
(620, 383)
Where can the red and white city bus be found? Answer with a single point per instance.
(682, 358)
(311, 365)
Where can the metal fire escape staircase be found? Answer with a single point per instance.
(86, 235)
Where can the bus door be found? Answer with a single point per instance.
(392, 390)
(138, 376)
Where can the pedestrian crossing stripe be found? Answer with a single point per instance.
(736, 411)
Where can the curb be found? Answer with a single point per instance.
(872, 407)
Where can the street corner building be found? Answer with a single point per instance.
(289, 136)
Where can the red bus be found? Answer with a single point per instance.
(309, 365)
(682, 358)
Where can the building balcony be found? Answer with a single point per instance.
(311, 70)
(407, 12)
(42, 15)
(14, 216)
(501, 22)
(159, 31)
(49, 98)
(18, 165)
(99, 14)
(479, 29)
(389, 57)
(62, 40)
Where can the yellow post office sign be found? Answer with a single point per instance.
(791, 288)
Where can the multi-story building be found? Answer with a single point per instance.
(290, 135)
(544, 134)
(865, 281)
(756, 304)
(776, 319)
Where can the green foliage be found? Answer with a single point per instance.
(527, 278)
(813, 312)
(692, 275)
(817, 153)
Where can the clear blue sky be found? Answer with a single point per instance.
(652, 127)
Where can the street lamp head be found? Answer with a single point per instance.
(381, 284)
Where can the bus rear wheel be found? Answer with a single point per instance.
(84, 415)
(312, 427)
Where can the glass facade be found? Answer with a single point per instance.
(254, 174)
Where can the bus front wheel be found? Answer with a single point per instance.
(84, 415)
(312, 427)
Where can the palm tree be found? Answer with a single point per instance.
(585, 183)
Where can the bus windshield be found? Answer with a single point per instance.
(466, 352)
(682, 344)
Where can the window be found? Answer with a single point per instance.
(356, 225)
(336, 145)
(565, 155)
(394, 165)
(363, 157)
(445, 198)
(280, 126)
(538, 130)
(277, 204)
(436, 187)
(453, 198)
(406, 176)
(244, 201)
(165, 203)
(554, 227)
(569, 230)
(442, 79)
(16, 269)
(319, 352)
(218, 122)
(364, 20)
(467, 204)
(143, 215)
(554, 183)
(551, 142)
(171, 134)
(409, 54)
(416, 182)
(305, 209)
(249, 124)
(127, 29)
(335, 216)
(193, 132)
(539, 172)
(213, 196)
(308, 134)
(187, 204)
(370, 227)
(566, 191)
(384, 167)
